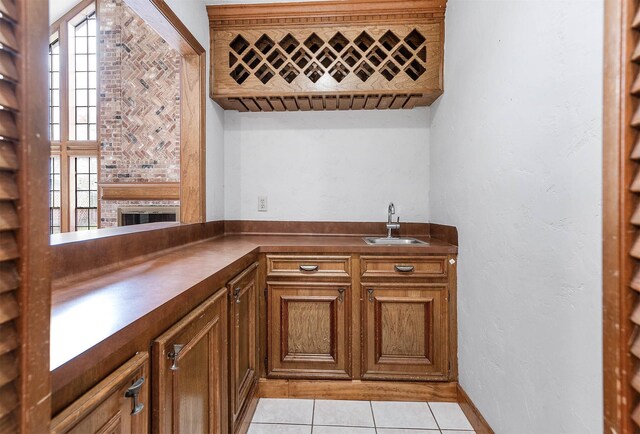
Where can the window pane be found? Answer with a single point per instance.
(54, 94)
(54, 195)
(86, 192)
(84, 80)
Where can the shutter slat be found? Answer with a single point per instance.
(8, 424)
(8, 37)
(8, 157)
(8, 369)
(8, 338)
(635, 57)
(8, 219)
(8, 186)
(635, 249)
(8, 68)
(8, 97)
(636, 21)
(8, 10)
(635, 381)
(8, 400)
(8, 277)
(8, 307)
(8, 125)
(8, 246)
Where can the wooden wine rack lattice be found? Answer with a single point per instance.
(368, 61)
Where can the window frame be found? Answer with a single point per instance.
(67, 149)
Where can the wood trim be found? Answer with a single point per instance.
(139, 191)
(478, 422)
(192, 139)
(618, 233)
(358, 390)
(71, 261)
(33, 240)
(323, 11)
(164, 21)
(256, 227)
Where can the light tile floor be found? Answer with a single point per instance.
(308, 416)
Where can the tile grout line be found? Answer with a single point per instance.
(313, 415)
(375, 426)
(434, 416)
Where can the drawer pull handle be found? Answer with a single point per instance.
(370, 291)
(173, 355)
(236, 295)
(133, 392)
(404, 268)
(309, 268)
(340, 295)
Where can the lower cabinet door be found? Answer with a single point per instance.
(243, 344)
(189, 372)
(405, 329)
(118, 404)
(308, 329)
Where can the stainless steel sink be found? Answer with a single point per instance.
(385, 241)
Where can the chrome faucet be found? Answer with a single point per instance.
(390, 225)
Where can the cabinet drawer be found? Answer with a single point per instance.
(403, 266)
(316, 266)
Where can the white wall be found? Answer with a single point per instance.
(327, 166)
(516, 166)
(194, 15)
(58, 8)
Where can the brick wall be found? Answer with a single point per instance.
(139, 105)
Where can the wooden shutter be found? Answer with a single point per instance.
(24, 274)
(621, 217)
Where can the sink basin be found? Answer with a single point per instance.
(384, 241)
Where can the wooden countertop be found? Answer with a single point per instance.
(102, 312)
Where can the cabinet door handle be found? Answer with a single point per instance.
(309, 268)
(133, 392)
(173, 355)
(370, 291)
(404, 268)
(236, 295)
(341, 294)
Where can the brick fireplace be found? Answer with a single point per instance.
(139, 107)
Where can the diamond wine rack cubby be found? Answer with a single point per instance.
(329, 55)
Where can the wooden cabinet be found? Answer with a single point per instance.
(309, 331)
(337, 55)
(190, 372)
(118, 404)
(243, 344)
(405, 331)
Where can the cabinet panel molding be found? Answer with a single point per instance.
(243, 343)
(309, 330)
(106, 408)
(405, 331)
(189, 372)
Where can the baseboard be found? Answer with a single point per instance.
(470, 410)
(358, 390)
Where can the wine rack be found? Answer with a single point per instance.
(352, 55)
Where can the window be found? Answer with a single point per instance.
(54, 90)
(73, 123)
(86, 193)
(54, 195)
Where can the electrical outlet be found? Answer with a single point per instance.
(262, 203)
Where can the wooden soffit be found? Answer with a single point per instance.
(140, 191)
(325, 12)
